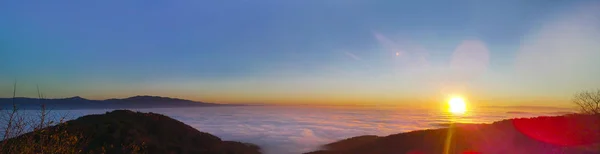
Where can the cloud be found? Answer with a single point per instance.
(517, 112)
(291, 130)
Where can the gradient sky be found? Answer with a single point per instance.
(309, 51)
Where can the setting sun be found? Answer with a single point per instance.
(457, 105)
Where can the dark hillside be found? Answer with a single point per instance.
(123, 131)
(570, 134)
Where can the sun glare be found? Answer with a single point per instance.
(457, 105)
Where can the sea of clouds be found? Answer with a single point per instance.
(286, 129)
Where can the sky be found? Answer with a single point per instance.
(303, 52)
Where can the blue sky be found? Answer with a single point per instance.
(299, 51)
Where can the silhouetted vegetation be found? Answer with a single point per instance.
(124, 131)
(16, 122)
(588, 102)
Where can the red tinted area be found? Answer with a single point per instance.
(471, 152)
(562, 130)
(465, 152)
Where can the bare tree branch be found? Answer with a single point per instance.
(588, 102)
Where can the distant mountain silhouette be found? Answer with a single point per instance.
(124, 131)
(568, 134)
(82, 103)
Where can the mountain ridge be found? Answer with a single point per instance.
(77, 102)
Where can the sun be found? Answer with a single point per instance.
(457, 105)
